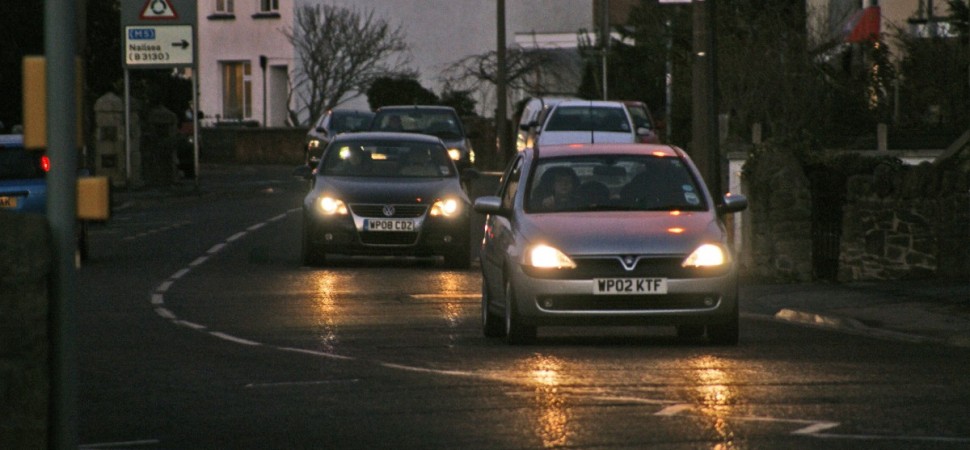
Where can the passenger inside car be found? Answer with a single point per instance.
(556, 190)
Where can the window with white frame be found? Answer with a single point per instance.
(267, 6)
(237, 90)
(225, 6)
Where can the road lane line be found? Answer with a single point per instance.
(158, 299)
(179, 274)
(232, 338)
(216, 248)
(674, 410)
(199, 260)
(164, 286)
(236, 236)
(315, 353)
(120, 444)
(165, 313)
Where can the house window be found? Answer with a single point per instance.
(266, 6)
(224, 6)
(237, 91)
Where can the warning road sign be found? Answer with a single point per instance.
(158, 10)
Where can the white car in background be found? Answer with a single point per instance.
(587, 121)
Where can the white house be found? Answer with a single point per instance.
(245, 60)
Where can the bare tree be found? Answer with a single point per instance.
(341, 52)
(536, 72)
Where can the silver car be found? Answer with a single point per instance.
(607, 234)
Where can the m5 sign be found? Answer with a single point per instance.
(158, 34)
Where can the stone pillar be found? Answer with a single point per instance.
(159, 144)
(110, 159)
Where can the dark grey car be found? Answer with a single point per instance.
(386, 194)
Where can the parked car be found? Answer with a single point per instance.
(635, 239)
(647, 130)
(440, 121)
(330, 124)
(586, 121)
(381, 193)
(23, 176)
(531, 119)
(23, 184)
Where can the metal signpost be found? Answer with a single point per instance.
(159, 34)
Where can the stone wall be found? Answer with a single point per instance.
(25, 267)
(250, 145)
(906, 222)
(898, 222)
(779, 214)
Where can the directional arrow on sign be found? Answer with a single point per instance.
(184, 44)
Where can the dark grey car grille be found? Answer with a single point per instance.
(377, 210)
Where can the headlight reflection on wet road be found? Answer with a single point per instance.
(545, 373)
(716, 398)
(325, 300)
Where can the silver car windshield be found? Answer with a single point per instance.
(387, 159)
(613, 183)
(586, 118)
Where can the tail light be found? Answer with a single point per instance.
(45, 163)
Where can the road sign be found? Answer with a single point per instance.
(158, 10)
(148, 46)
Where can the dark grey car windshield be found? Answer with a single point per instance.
(613, 183)
(390, 158)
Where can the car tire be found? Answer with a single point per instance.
(727, 333)
(516, 333)
(312, 255)
(492, 325)
(690, 331)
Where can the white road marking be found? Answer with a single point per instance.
(199, 260)
(179, 274)
(236, 236)
(158, 299)
(674, 410)
(164, 286)
(257, 226)
(216, 248)
(299, 383)
(124, 444)
(232, 338)
(165, 313)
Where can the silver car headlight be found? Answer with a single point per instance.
(448, 207)
(454, 153)
(543, 256)
(331, 206)
(707, 255)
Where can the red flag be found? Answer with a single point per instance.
(863, 25)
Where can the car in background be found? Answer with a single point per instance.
(23, 184)
(587, 121)
(533, 114)
(330, 124)
(647, 130)
(440, 121)
(23, 176)
(637, 240)
(382, 193)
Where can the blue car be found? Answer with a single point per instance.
(23, 173)
(23, 184)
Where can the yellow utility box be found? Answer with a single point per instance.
(93, 198)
